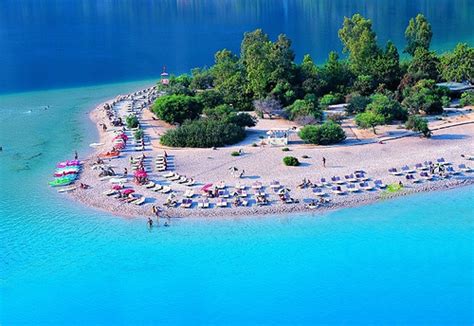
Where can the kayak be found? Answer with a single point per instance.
(60, 182)
(68, 169)
(110, 154)
(96, 144)
(67, 188)
(68, 163)
(64, 173)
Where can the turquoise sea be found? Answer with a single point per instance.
(403, 261)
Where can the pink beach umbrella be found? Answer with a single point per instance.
(141, 174)
(127, 192)
(117, 187)
(206, 187)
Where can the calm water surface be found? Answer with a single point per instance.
(403, 261)
(54, 43)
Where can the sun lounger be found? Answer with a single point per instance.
(220, 185)
(366, 186)
(240, 186)
(337, 180)
(337, 190)
(169, 175)
(165, 190)
(203, 203)
(110, 192)
(380, 184)
(256, 185)
(189, 182)
(157, 187)
(395, 172)
(451, 170)
(420, 166)
(183, 179)
(319, 192)
(426, 176)
(442, 161)
(464, 168)
(189, 193)
(241, 193)
(221, 202)
(411, 177)
(139, 201)
(186, 203)
(149, 185)
(161, 168)
(352, 188)
(176, 177)
(118, 180)
(275, 184)
(406, 169)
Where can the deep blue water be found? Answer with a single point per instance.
(57, 43)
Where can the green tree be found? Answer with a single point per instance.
(361, 43)
(291, 161)
(201, 79)
(335, 74)
(256, 56)
(326, 134)
(229, 80)
(467, 98)
(418, 34)
(364, 84)
(387, 67)
(177, 85)
(210, 98)
(309, 77)
(386, 107)
(177, 108)
(281, 58)
(424, 65)
(419, 124)
(302, 108)
(424, 98)
(369, 119)
(458, 65)
(357, 103)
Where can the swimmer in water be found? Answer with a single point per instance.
(150, 223)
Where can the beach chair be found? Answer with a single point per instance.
(240, 186)
(406, 169)
(186, 203)
(394, 172)
(420, 166)
(352, 188)
(189, 193)
(149, 185)
(220, 185)
(426, 176)
(176, 177)
(319, 192)
(221, 202)
(350, 178)
(165, 190)
(189, 182)
(203, 203)
(380, 184)
(337, 190)
(275, 184)
(256, 185)
(366, 186)
(442, 161)
(464, 168)
(451, 170)
(157, 187)
(168, 175)
(139, 201)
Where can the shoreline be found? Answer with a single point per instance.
(186, 160)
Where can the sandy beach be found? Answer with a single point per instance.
(374, 154)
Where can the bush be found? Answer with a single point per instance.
(467, 98)
(138, 134)
(285, 149)
(228, 114)
(203, 133)
(424, 98)
(243, 120)
(325, 134)
(330, 99)
(291, 161)
(302, 108)
(177, 108)
(369, 119)
(357, 104)
(387, 107)
(132, 121)
(417, 123)
(235, 153)
(304, 156)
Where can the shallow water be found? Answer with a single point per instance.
(51, 44)
(408, 260)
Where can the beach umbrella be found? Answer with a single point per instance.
(127, 192)
(117, 187)
(206, 187)
(141, 174)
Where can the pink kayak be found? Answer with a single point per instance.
(68, 163)
(61, 174)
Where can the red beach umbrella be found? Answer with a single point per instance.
(141, 174)
(117, 187)
(127, 192)
(206, 187)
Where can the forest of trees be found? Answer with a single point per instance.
(378, 86)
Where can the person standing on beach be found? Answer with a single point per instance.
(324, 162)
(125, 172)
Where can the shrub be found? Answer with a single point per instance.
(132, 121)
(138, 134)
(467, 98)
(291, 161)
(357, 104)
(330, 99)
(304, 156)
(177, 108)
(210, 98)
(387, 107)
(417, 123)
(424, 98)
(243, 120)
(301, 108)
(285, 149)
(203, 133)
(369, 119)
(325, 134)
(235, 153)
